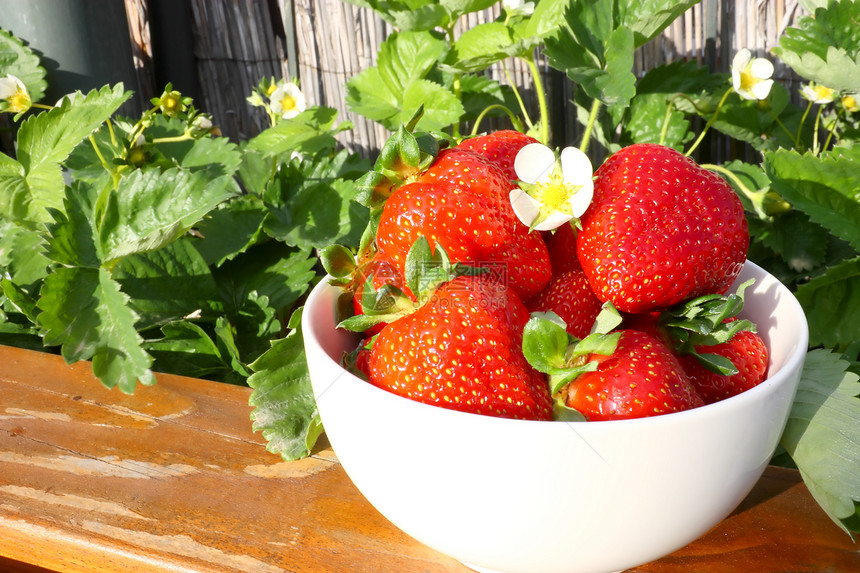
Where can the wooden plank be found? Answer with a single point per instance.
(174, 479)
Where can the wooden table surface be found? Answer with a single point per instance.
(173, 479)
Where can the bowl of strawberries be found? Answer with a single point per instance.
(530, 400)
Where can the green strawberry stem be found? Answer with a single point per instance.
(710, 122)
(592, 119)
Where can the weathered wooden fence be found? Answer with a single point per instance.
(325, 42)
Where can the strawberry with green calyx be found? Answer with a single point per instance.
(660, 230)
(721, 354)
(459, 345)
(425, 269)
(704, 322)
(638, 377)
(550, 349)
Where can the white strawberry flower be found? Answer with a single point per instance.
(518, 7)
(287, 100)
(817, 93)
(14, 97)
(552, 190)
(751, 77)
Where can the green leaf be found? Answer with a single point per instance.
(311, 131)
(44, 142)
(151, 208)
(188, 350)
(547, 18)
(396, 87)
(832, 305)
(226, 334)
(216, 154)
(272, 269)
(596, 52)
(20, 61)
(71, 239)
(408, 15)
(21, 256)
(167, 284)
(309, 206)
(84, 311)
(284, 407)
(648, 18)
(480, 47)
(229, 229)
(823, 436)
(826, 48)
(825, 187)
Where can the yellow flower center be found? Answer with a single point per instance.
(19, 101)
(288, 103)
(747, 80)
(555, 194)
(271, 89)
(171, 103)
(850, 103)
(823, 92)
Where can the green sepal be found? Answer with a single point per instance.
(561, 412)
(339, 262)
(349, 359)
(702, 322)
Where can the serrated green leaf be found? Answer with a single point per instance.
(596, 52)
(481, 46)
(45, 140)
(393, 90)
(547, 18)
(84, 312)
(187, 349)
(284, 406)
(272, 269)
(311, 131)
(822, 435)
(21, 255)
(71, 237)
(832, 305)
(229, 229)
(20, 61)
(825, 48)
(653, 120)
(167, 284)
(150, 208)
(800, 243)
(827, 188)
(225, 336)
(408, 15)
(648, 18)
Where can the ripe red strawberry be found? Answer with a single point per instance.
(660, 230)
(468, 170)
(463, 350)
(474, 229)
(641, 378)
(746, 350)
(561, 244)
(500, 147)
(571, 298)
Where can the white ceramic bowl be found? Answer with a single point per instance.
(556, 497)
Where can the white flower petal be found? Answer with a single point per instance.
(8, 86)
(741, 59)
(554, 221)
(526, 207)
(582, 198)
(761, 89)
(761, 68)
(575, 166)
(736, 79)
(534, 162)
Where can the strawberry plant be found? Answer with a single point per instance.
(152, 243)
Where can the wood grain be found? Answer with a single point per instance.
(173, 479)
